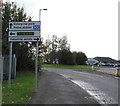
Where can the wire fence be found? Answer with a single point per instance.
(5, 61)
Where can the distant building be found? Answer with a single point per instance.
(118, 61)
(102, 61)
(106, 60)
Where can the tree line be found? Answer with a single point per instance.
(25, 51)
(59, 48)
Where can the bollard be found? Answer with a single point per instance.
(117, 73)
(92, 67)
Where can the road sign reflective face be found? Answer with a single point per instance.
(24, 31)
(24, 26)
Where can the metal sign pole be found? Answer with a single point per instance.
(36, 67)
(10, 65)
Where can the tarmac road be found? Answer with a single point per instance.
(108, 70)
(55, 89)
(103, 88)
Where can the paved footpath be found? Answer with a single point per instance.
(55, 89)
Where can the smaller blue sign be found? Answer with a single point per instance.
(56, 60)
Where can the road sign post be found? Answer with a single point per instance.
(24, 32)
(36, 67)
(10, 64)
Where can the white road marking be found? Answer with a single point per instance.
(99, 96)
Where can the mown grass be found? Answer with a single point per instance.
(22, 88)
(67, 66)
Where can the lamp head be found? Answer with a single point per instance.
(44, 9)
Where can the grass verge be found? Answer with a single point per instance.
(22, 88)
(67, 66)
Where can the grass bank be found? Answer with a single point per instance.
(67, 66)
(22, 88)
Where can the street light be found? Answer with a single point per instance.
(44, 9)
(40, 13)
(36, 61)
(40, 18)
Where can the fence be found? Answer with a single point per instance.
(5, 60)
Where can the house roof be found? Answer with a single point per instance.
(118, 61)
(105, 59)
(92, 59)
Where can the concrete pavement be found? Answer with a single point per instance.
(55, 89)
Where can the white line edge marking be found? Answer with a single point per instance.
(98, 95)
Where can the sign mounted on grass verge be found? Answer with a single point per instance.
(24, 31)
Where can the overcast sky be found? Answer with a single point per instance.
(91, 26)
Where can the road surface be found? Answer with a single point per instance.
(108, 70)
(55, 89)
(103, 88)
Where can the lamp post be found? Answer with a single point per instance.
(40, 13)
(36, 61)
(40, 17)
